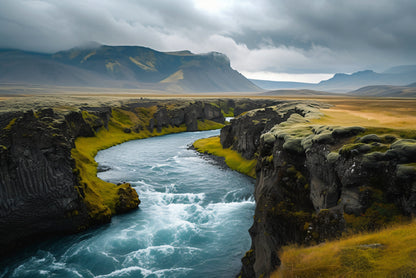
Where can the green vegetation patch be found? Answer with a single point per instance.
(387, 253)
(233, 159)
(209, 125)
(10, 124)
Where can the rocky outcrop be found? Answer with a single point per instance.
(316, 182)
(38, 187)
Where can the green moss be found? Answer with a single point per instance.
(122, 117)
(90, 118)
(377, 216)
(209, 125)
(215, 104)
(230, 112)
(332, 157)
(402, 133)
(233, 159)
(10, 124)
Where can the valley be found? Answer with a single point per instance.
(325, 167)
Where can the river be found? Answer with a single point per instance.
(193, 220)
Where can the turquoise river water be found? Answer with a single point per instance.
(193, 220)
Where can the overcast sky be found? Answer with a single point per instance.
(300, 40)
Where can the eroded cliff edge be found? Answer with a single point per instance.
(48, 182)
(316, 182)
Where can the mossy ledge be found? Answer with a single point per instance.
(233, 159)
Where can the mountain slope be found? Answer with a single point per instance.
(124, 66)
(386, 91)
(274, 85)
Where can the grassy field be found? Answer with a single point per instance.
(388, 253)
(389, 113)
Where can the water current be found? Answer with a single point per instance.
(193, 220)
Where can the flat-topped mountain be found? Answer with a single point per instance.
(124, 67)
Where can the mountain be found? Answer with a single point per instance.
(124, 67)
(274, 85)
(400, 76)
(386, 91)
(296, 92)
(342, 83)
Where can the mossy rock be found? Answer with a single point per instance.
(325, 138)
(332, 157)
(405, 150)
(354, 149)
(406, 171)
(127, 199)
(370, 138)
(293, 145)
(268, 138)
(344, 132)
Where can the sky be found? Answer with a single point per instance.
(296, 40)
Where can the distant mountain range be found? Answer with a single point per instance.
(124, 67)
(386, 91)
(340, 82)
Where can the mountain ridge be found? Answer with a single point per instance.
(124, 67)
(342, 82)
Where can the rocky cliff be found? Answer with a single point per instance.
(317, 182)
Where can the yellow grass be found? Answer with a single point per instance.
(387, 253)
(233, 159)
(370, 112)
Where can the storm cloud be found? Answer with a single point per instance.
(264, 36)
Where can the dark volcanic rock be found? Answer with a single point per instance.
(37, 185)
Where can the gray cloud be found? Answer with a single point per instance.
(301, 36)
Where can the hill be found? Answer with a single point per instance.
(386, 91)
(124, 67)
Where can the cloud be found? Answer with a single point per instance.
(278, 36)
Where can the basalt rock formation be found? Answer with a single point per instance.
(316, 182)
(44, 186)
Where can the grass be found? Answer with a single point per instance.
(388, 113)
(10, 124)
(233, 159)
(387, 253)
(209, 125)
